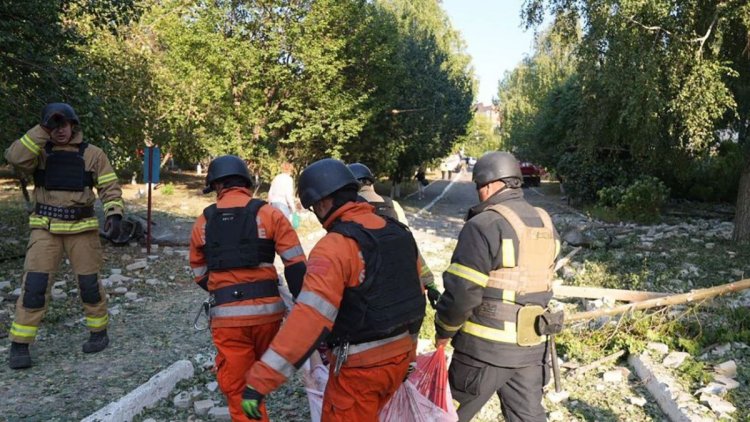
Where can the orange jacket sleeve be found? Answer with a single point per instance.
(288, 247)
(334, 264)
(197, 258)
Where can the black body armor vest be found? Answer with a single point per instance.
(64, 170)
(385, 208)
(390, 297)
(232, 238)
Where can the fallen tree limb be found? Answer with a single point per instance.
(677, 299)
(599, 292)
(564, 261)
(595, 364)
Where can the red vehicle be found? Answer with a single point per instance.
(532, 174)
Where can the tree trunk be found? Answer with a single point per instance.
(742, 211)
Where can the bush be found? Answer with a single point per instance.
(641, 201)
(167, 189)
(584, 176)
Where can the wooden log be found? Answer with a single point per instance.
(564, 261)
(693, 296)
(599, 292)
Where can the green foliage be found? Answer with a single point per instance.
(584, 176)
(639, 201)
(167, 189)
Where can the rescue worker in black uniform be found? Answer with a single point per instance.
(497, 288)
(387, 207)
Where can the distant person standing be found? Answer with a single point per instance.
(421, 182)
(281, 193)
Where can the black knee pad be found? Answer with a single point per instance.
(35, 290)
(89, 285)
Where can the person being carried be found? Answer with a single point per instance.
(66, 171)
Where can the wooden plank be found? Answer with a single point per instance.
(599, 292)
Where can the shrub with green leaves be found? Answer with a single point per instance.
(641, 201)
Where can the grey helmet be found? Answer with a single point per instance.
(322, 178)
(496, 165)
(361, 171)
(226, 165)
(55, 114)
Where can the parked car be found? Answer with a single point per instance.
(532, 174)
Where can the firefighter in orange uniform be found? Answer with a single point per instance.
(232, 249)
(361, 292)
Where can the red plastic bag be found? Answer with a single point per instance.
(425, 396)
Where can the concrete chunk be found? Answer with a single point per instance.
(219, 413)
(675, 359)
(729, 383)
(182, 400)
(658, 348)
(202, 407)
(556, 397)
(728, 369)
(137, 265)
(613, 376)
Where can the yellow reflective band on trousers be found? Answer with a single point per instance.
(509, 253)
(26, 331)
(445, 326)
(74, 226)
(30, 145)
(106, 178)
(97, 322)
(467, 273)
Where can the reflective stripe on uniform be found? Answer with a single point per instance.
(38, 222)
(76, 226)
(291, 253)
(557, 247)
(113, 203)
(509, 253)
(97, 322)
(362, 347)
(506, 335)
(247, 310)
(445, 326)
(319, 304)
(106, 178)
(467, 273)
(30, 145)
(26, 331)
(425, 270)
(200, 271)
(278, 363)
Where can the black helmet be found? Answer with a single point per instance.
(55, 114)
(496, 165)
(226, 165)
(323, 178)
(361, 171)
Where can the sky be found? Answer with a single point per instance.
(494, 36)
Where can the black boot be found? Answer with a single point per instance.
(96, 343)
(19, 356)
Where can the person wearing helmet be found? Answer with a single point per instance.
(496, 290)
(66, 171)
(387, 207)
(232, 248)
(363, 315)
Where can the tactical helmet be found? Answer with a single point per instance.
(54, 114)
(494, 166)
(226, 165)
(323, 178)
(361, 171)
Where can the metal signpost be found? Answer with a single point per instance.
(152, 159)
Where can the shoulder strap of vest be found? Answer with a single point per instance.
(387, 201)
(546, 219)
(510, 215)
(367, 243)
(82, 148)
(48, 147)
(209, 212)
(253, 205)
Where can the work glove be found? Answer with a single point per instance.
(433, 294)
(112, 226)
(251, 401)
